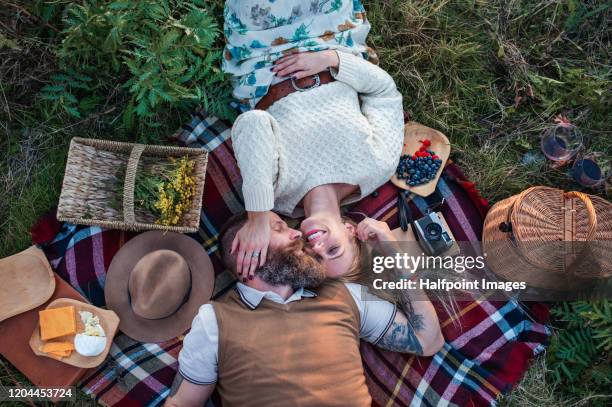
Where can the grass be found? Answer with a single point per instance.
(490, 74)
(493, 74)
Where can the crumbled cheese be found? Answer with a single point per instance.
(85, 316)
(92, 324)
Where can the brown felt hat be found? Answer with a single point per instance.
(27, 282)
(156, 283)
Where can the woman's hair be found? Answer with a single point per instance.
(360, 272)
(361, 259)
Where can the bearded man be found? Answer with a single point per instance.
(287, 337)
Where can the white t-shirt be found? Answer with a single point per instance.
(198, 360)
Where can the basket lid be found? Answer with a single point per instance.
(550, 214)
(538, 227)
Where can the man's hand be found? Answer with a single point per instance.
(305, 64)
(372, 229)
(251, 244)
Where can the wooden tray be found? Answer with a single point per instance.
(413, 132)
(108, 319)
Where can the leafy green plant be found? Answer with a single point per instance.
(579, 355)
(150, 56)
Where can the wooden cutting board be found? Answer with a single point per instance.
(27, 282)
(413, 133)
(108, 320)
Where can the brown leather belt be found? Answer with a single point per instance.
(284, 88)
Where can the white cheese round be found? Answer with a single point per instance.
(88, 345)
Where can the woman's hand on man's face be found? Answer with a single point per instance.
(251, 244)
(372, 229)
(304, 64)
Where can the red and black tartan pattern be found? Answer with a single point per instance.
(484, 355)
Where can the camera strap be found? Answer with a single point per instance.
(434, 201)
(405, 213)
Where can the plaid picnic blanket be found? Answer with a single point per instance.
(485, 353)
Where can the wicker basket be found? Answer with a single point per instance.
(550, 238)
(94, 167)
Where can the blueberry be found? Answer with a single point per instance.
(411, 171)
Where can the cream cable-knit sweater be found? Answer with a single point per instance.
(321, 136)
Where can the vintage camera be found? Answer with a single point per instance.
(432, 235)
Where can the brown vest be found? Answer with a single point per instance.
(305, 353)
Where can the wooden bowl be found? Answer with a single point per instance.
(108, 319)
(413, 132)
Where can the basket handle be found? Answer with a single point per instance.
(130, 183)
(590, 210)
(506, 226)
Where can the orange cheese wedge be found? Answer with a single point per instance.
(57, 347)
(61, 354)
(57, 322)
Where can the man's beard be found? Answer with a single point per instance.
(291, 266)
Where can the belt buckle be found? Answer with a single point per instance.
(314, 85)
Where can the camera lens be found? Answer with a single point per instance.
(434, 231)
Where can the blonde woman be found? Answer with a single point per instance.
(325, 127)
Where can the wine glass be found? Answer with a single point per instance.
(592, 170)
(561, 143)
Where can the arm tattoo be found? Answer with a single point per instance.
(178, 379)
(414, 320)
(401, 338)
